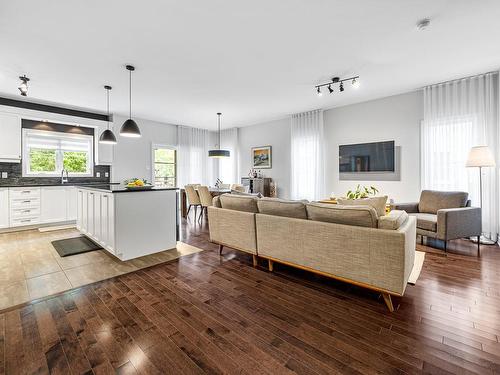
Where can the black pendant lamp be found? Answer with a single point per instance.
(218, 153)
(130, 128)
(107, 136)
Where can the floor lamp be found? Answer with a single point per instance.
(480, 157)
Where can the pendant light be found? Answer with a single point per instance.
(130, 128)
(218, 153)
(107, 136)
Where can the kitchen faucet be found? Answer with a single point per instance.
(63, 180)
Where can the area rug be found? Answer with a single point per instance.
(75, 245)
(417, 267)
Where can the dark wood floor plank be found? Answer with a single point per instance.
(206, 313)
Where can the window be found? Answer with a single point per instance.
(46, 153)
(165, 166)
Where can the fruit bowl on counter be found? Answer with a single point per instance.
(137, 184)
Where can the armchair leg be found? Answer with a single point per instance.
(220, 249)
(445, 246)
(388, 301)
(478, 246)
(254, 259)
(421, 239)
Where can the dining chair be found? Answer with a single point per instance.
(206, 200)
(193, 198)
(238, 187)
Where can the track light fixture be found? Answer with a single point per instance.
(23, 87)
(340, 82)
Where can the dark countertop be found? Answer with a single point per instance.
(120, 188)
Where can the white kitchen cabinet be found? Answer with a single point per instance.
(71, 203)
(10, 140)
(104, 151)
(24, 206)
(53, 204)
(4, 208)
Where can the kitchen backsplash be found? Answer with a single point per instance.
(14, 172)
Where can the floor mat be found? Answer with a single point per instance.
(73, 246)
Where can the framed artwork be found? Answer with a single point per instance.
(262, 157)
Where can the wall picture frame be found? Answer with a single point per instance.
(262, 157)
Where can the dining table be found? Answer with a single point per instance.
(184, 202)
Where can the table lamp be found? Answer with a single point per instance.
(481, 156)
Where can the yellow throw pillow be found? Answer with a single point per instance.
(378, 203)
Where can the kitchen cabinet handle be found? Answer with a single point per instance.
(26, 221)
(25, 192)
(26, 201)
(26, 210)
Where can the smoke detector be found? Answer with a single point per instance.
(423, 24)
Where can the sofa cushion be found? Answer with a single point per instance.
(431, 201)
(239, 202)
(378, 203)
(281, 207)
(393, 220)
(216, 202)
(426, 221)
(362, 216)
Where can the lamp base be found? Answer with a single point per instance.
(483, 240)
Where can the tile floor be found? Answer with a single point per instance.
(31, 268)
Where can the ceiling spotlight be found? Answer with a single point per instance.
(319, 91)
(330, 88)
(341, 87)
(355, 83)
(23, 87)
(423, 24)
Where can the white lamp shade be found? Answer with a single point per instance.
(480, 156)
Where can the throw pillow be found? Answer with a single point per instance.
(378, 203)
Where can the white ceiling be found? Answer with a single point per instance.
(252, 60)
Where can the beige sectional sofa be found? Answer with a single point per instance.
(349, 243)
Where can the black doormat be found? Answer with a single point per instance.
(73, 246)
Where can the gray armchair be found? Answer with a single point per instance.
(444, 215)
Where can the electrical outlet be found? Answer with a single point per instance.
(106, 174)
(98, 174)
(5, 175)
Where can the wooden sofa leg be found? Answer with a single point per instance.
(271, 265)
(388, 301)
(254, 258)
(421, 240)
(220, 249)
(445, 246)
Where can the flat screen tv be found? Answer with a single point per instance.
(367, 157)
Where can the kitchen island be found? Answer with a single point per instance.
(128, 223)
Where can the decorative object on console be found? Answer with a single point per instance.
(107, 136)
(480, 157)
(130, 128)
(218, 152)
(336, 80)
(273, 190)
(258, 185)
(262, 157)
(364, 192)
(23, 87)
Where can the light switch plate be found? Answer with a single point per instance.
(5, 175)
(98, 174)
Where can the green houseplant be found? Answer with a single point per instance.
(361, 192)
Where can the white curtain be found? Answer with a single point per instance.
(193, 163)
(457, 116)
(307, 156)
(229, 167)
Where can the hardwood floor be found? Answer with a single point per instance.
(206, 313)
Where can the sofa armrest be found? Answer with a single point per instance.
(453, 223)
(408, 207)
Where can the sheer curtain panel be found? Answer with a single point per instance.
(307, 156)
(229, 167)
(193, 164)
(457, 116)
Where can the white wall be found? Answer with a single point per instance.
(132, 156)
(393, 118)
(277, 135)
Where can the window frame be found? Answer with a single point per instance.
(26, 172)
(156, 146)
